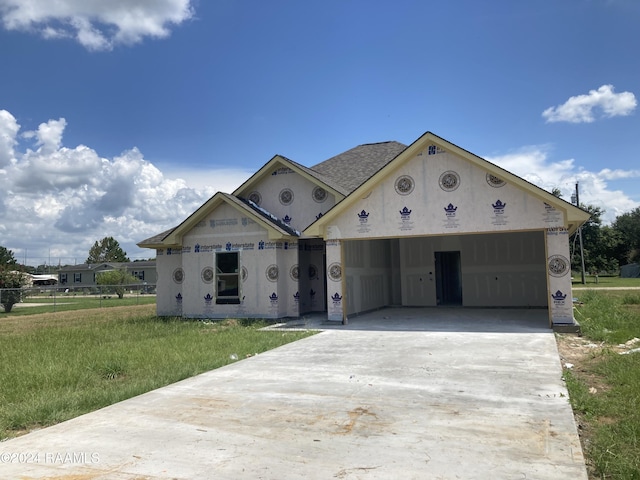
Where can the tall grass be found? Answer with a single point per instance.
(64, 368)
(605, 390)
(603, 316)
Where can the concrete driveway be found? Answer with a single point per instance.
(412, 394)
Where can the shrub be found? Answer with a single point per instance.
(115, 280)
(11, 283)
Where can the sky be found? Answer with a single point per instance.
(121, 118)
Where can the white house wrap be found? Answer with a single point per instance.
(379, 225)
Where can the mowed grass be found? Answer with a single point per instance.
(605, 389)
(62, 303)
(57, 366)
(605, 281)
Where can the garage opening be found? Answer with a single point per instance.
(477, 270)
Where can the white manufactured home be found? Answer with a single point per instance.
(381, 225)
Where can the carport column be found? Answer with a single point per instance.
(335, 302)
(559, 276)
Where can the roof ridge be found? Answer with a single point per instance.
(378, 143)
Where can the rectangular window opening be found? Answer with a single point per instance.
(227, 278)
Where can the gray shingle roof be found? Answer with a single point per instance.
(156, 239)
(329, 181)
(93, 266)
(353, 167)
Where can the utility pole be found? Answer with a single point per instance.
(580, 235)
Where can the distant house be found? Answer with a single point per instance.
(383, 224)
(86, 274)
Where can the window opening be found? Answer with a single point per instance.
(227, 278)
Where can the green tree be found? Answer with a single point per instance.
(628, 226)
(6, 257)
(11, 283)
(115, 280)
(601, 244)
(107, 250)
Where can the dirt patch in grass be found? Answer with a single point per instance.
(577, 354)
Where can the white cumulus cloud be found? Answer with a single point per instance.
(96, 24)
(533, 164)
(8, 130)
(57, 201)
(584, 108)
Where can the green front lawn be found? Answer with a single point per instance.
(57, 366)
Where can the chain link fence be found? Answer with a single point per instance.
(55, 295)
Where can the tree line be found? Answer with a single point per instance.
(607, 247)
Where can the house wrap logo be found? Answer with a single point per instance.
(336, 299)
(229, 247)
(559, 298)
(498, 207)
(262, 245)
(405, 214)
(208, 299)
(405, 219)
(197, 248)
(273, 299)
(450, 210)
(363, 217)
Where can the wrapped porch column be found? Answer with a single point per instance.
(559, 276)
(335, 278)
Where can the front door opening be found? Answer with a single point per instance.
(448, 278)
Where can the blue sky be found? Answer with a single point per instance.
(120, 118)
